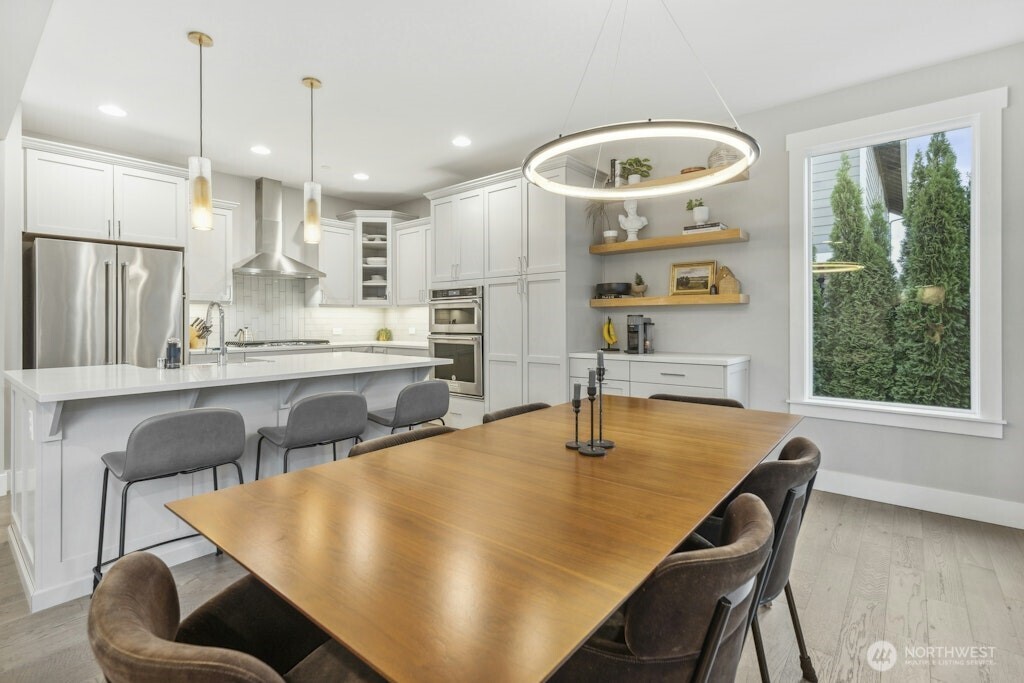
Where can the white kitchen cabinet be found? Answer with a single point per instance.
(704, 375)
(209, 257)
(458, 236)
(74, 192)
(504, 234)
(375, 255)
(544, 227)
(151, 208)
(68, 196)
(412, 262)
(524, 347)
(337, 258)
(612, 387)
(465, 412)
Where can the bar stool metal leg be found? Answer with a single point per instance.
(259, 448)
(286, 452)
(334, 451)
(97, 572)
(124, 508)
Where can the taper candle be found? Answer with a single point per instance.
(592, 379)
(576, 391)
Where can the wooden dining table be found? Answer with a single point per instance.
(490, 553)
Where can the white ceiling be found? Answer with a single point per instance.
(403, 77)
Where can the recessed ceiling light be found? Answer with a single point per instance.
(361, 176)
(259, 149)
(112, 110)
(461, 141)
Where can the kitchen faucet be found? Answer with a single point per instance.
(222, 357)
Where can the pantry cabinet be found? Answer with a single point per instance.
(74, 192)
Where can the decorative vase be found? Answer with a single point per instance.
(610, 236)
(638, 290)
(701, 214)
(633, 179)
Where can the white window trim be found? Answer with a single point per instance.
(982, 111)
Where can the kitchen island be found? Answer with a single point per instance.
(63, 419)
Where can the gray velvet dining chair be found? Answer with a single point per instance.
(688, 620)
(245, 633)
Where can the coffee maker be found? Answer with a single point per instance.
(639, 334)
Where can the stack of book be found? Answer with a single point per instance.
(704, 227)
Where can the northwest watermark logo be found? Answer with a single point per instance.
(882, 655)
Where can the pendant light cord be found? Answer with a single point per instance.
(200, 97)
(707, 76)
(311, 132)
(593, 50)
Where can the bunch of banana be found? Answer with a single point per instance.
(608, 332)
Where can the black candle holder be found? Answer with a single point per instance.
(575, 443)
(591, 447)
(601, 441)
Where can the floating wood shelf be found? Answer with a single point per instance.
(677, 300)
(668, 180)
(701, 239)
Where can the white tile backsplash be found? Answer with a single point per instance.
(276, 309)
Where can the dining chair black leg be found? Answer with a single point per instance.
(806, 666)
(259, 448)
(762, 664)
(97, 572)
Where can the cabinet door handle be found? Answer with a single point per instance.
(106, 312)
(110, 228)
(673, 374)
(124, 311)
(118, 227)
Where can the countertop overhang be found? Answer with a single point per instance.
(334, 346)
(659, 357)
(99, 381)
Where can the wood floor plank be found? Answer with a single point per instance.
(908, 551)
(829, 596)
(850, 528)
(991, 620)
(864, 621)
(942, 572)
(949, 626)
(1017, 618)
(1007, 553)
(906, 621)
(971, 543)
(878, 523)
(907, 521)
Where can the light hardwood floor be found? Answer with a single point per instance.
(863, 572)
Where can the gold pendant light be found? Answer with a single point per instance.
(200, 173)
(310, 189)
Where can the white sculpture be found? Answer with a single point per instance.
(631, 222)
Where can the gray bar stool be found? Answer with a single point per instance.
(417, 403)
(317, 421)
(167, 445)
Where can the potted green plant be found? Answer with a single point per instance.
(701, 213)
(639, 286)
(597, 215)
(635, 168)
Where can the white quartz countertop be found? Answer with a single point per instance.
(97, 381)
(313, 347)
(694, 358)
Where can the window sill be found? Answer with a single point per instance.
(907, 417)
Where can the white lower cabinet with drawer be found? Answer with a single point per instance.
(704, 375)
(464, 412)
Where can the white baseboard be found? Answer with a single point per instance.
(3, 482)
(954, 503)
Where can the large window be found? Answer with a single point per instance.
(895, 268)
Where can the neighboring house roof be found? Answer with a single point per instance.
(890, 158)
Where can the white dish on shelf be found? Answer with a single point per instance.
(375, 298)
(375, 283)
(376, 260)
(374, 238)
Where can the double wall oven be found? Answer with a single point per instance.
(457, 333)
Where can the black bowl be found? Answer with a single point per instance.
(612, 288)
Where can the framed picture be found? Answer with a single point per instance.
(692, 278)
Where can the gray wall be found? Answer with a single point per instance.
(984, 467)
(417, 207)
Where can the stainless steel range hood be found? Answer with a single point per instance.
(269, 260)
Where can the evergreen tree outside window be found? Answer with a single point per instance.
(895, 268)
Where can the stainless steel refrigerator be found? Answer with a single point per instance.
(88, 303)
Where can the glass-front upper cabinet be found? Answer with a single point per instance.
(375, 254)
